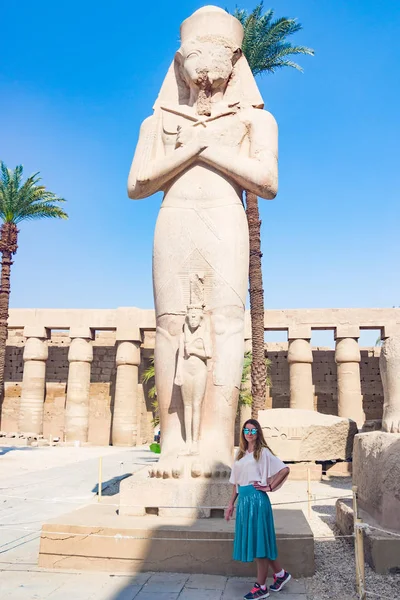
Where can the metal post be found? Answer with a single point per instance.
(100, 479)
(309, 491)
(359, 549)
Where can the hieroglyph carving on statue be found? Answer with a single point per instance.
(389, 365)
(206, 142)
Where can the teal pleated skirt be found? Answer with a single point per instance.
(254, 527)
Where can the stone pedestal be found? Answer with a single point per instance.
(80, 357)
(348, 357)
(33, 383)
(301, 386)
(376, 473)
(185, 497)
(165, 544)
(124, 421)
(381, 550)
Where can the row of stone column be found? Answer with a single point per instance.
(124, 421)
(80, 357)
(347, 357)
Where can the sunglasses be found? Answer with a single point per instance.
(246, 431)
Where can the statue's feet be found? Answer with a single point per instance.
(167, 467)
(208, 468)
(201, 468)
(221, 470)
(391, 422)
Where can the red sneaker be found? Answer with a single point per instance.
(279, 582)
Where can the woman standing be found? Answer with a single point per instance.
(255, 472)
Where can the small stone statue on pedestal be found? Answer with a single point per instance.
(191, 373)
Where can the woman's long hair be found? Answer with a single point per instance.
(260, 442)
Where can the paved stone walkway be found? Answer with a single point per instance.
(40, 484)
(19, 585)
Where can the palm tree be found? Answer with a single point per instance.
(266, 49)
(245, 398)
(18, 202)
(149, 376)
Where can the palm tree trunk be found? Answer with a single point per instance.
(8, 247)
(258, 366)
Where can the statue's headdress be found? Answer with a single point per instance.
(212, 22)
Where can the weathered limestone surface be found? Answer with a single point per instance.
(173, 550)
(80, 357)
(381, 550)
(33, 383)
(305, 435)
(207, 140)
(390, 372)
(348, 357)
(195, 349)
(173, 498)
(376, 473)
(124, 421)
(300, 359)
(54, 410)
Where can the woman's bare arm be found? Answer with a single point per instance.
(231, 506)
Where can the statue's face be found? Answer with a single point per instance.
(194, 317)
(206, 62)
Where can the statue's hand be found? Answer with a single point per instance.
(189, 137)
(144, 173)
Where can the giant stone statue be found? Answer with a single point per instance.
(207, 140)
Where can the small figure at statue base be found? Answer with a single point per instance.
(191, 372)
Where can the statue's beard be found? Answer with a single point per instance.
(205, 93)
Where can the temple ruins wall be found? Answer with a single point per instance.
(105, 330)
(324, 372)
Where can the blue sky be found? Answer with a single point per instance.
(78, 78)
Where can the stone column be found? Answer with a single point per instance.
(124, 420)
(300, 359)
(80, 357)
(33, 380)
(125, 426)
(348, 357)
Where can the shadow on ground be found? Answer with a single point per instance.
(7, 449)
(110, 487)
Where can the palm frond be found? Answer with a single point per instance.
(149, 376)
(265, 44)
(149, 373)
(40, 210)
(24, 201)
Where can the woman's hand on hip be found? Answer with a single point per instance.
(262, 488)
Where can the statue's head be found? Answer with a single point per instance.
(210, 59)
(194, 315)
(207, 62)
(210, 47)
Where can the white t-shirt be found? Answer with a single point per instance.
(248, 470)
